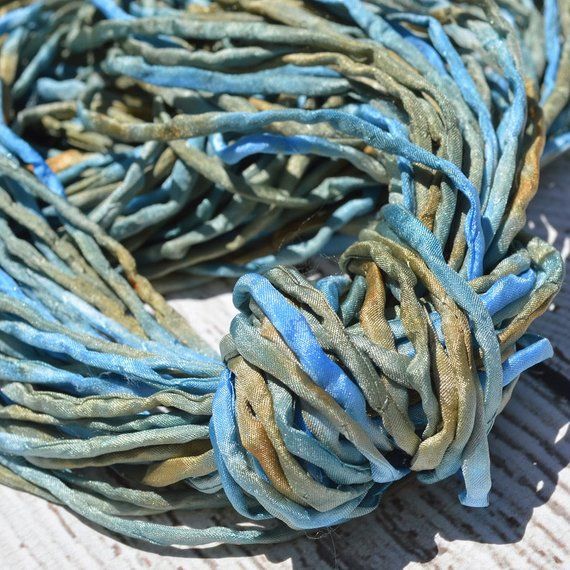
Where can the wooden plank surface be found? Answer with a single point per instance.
(526, 526)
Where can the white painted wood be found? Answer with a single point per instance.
(526, 526)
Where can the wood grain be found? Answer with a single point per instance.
(526, 526)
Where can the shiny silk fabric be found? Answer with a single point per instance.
(151, 146)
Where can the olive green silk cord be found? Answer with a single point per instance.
(150, 147)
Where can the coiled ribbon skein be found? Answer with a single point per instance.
(149, 146)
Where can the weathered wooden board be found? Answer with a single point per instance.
(526, 526)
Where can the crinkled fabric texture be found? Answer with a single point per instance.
(148, 146)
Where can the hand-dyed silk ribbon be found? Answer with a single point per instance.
(171, 142)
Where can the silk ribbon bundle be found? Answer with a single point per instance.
(174, 142)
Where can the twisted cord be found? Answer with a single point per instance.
(237, 138)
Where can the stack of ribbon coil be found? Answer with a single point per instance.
(152, 145)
